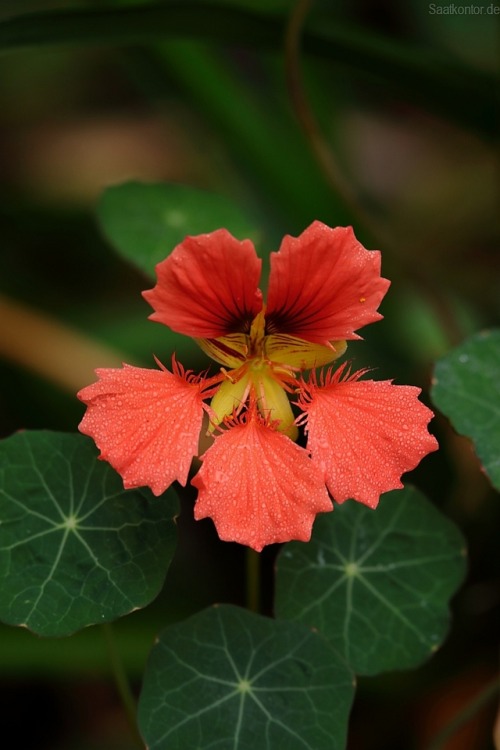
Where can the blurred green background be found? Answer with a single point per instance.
(386, 120)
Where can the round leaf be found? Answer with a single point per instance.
(467, 389)
(144, 222)
(375, 583)
(75, 548)
(233, 680)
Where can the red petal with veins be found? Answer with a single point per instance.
(258, 486)
(207, 287)
(146, 424)
(364, 434)
(324, 285)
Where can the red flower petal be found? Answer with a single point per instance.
(258, 486)
(364, 434)
(323, 285)
(146, 423)
(207, 287)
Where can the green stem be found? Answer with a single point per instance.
(466, 714)
(323, 153)
(121, 682)
(327, 161)
(253, 579)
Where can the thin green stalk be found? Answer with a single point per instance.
(320, 147)
(304, 113)
(122, 683)
(465, 714)
(253, 579)
(265, 142)
(327, 160)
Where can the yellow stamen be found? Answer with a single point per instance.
(231, 350)
(267, 365)
(300, 354)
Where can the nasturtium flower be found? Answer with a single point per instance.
(257, 484)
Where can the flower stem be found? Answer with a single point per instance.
(466, 714)
(253, 579)
(324, 155)
(122, 683)
(327, 161)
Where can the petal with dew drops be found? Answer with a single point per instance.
(207, 287)
(146, 423)
(324, 285)
(258, 486)
(365, 434)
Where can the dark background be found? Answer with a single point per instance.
(403, 99)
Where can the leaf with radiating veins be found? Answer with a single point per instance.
(229, 679)
(375, 583)
(466, 389)
(75, 547)
(145, 221)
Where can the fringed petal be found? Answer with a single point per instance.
(207, 287)
(364, 434)
(324, 285)
(146, 423)
(258, 486)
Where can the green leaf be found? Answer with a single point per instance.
(229, 679)
(466, 388)
(75, 548)
(376, 584)
(144, 222)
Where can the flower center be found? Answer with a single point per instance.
(264, 367)
(257, 336)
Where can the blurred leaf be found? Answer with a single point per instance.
(467, 389)
(430, 78)
(420, 75)
(75, 548)
(376, 584)
(144, 222)
(139, 23)
(416, 325)
(234, 680)
(264, 140)
(83, 653)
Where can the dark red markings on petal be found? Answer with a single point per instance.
(365, 434)
(324, 285)
(146, 423)
(208, 286)
(258, 486)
